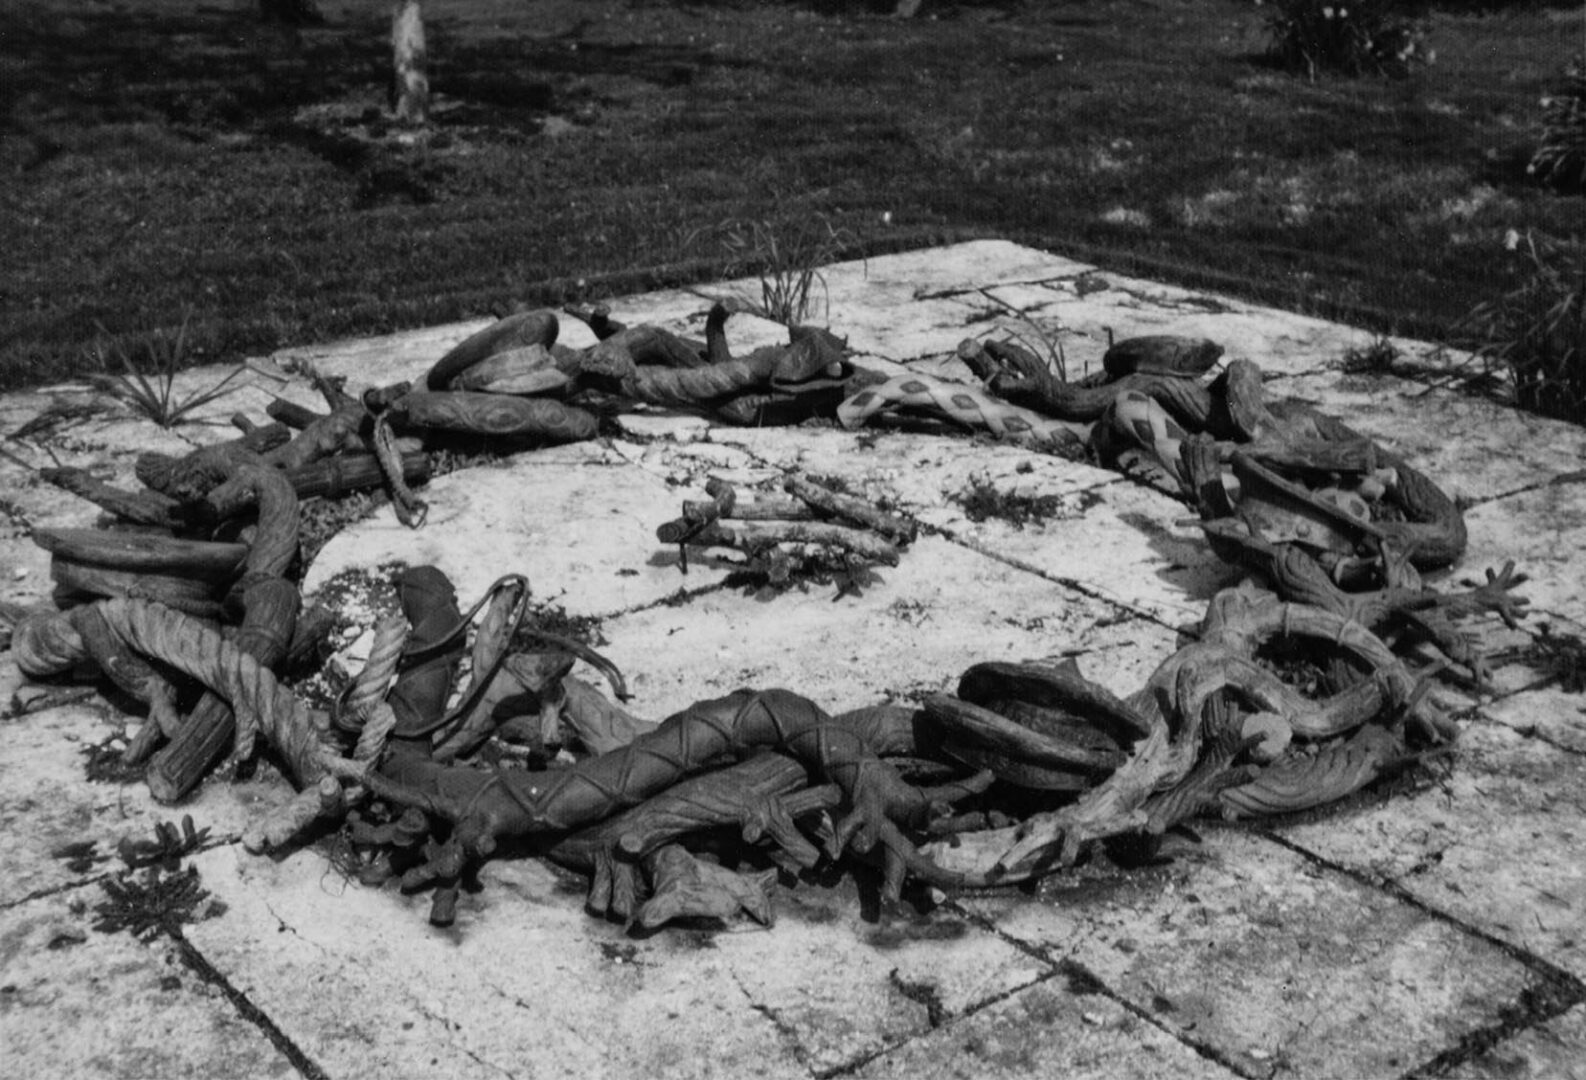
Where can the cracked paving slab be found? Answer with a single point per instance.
(911, 632)
(848, 983)
(1544, 531)
(83, 1003)
(527, 984)
(1495, 842)
(1260, 957)
(1475, 451)
(1554, 1050)
(48, 804)
(1046, 1030)
(579, 523)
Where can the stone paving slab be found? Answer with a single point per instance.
(1081, 1036)
(78, 1002)
(1551, 1050)
(1495, 844)
(1436, 926)
(1266, 961)
(1543, 529)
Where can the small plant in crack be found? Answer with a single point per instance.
(153, 902)
(982, 500)
(1374, 359)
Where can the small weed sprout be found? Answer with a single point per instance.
(1374, 359)
(154, 395)
(788, 260)
(1351, 37)
(983, 501)
(1043, 344)
(1560, 161)
(1535, 334)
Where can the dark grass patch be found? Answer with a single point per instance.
(163, 156)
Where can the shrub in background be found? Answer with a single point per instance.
(1351, 37)
(1561, 159)
(1535, 334)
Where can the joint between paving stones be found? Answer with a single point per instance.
(1555, 992)
(849, 1068)
(1068, 583)
(199, 965)
(1078, 974)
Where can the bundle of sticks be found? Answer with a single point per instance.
(804, 526)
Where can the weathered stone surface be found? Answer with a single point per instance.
(1045, 1030)
(527, 983)
(1558, 716)
(47, 802)
(911, 632)
(1469, 447)
(1543, 530)
(582, 531)
(1494, 843)
(1556, 1048)
(87, 1004)
(1261, 957)
(848, 982)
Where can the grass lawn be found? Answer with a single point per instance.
(164, 160)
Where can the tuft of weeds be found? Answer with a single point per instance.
(983, 501)
(153, 393)
(106, 763)
(150, 903)
(1046, 345)
(1560, 160)
(1350, 37)
(1535, 333)
(1374, 359)
(788, 257)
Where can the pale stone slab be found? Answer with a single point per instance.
(1495, 843)
(83, 1003)
(914, 471)
(912, 632)
(846, 983)
(529, 984)
(1121, 542)
(1555, 715)
(1046, 1031)
(47, 802)
(580, 528)
(1474, 449)
(1555, 1050)
(957, 268)
(1251, 951)
(1544, 531)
